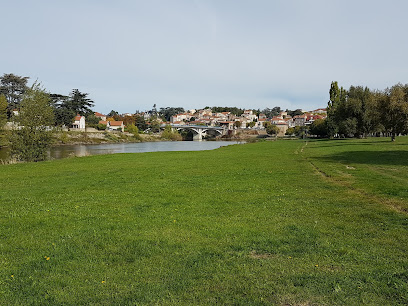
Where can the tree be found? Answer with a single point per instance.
(294, 113)
(372, 115)
(168, 112)
(237, 124)
(394, 110)
(3, 111)
(269, 113)
(335, 108)
(272, 129)
(290, 131)
(348, 127)
(153, 112)
(266, 124)
(92, 120)
(80, 103)
(251, 124)
(155, 126)
(140, 122)
(128, 120)
(31, 139)
(67, 107)
(101, 127)
(63, 113)
(13, 87)
(233, 110)
(3, 117)
(112, 113)
(131, 128)
(318, 127)
(169, 134)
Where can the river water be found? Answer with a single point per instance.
(59, 152)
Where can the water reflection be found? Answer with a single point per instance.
(60, 152)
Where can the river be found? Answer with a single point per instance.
(59, 152)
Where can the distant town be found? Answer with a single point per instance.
(248, 119)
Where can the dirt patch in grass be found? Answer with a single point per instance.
(253, 254)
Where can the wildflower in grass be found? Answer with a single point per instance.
(316, 266)
(46, 258)
(12, 276)
(103, 282)
(174, 221)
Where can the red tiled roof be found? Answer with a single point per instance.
(116, 123)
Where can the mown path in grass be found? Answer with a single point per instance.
(246, 224)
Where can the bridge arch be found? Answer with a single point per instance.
(200, 131)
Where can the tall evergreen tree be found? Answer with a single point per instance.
(67, 107)
(13, 88)
(80, 103)
(336, 109)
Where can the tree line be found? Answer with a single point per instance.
(32, 112)
(65, 107)
(360, 112)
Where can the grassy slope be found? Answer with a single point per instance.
(248, 224)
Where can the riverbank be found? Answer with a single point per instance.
(283, 223)
(102, 137)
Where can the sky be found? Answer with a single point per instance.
(129, 55)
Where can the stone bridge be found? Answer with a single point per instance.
(199, 130)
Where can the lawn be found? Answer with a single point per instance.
(286, 222)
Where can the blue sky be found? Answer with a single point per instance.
(129, 55)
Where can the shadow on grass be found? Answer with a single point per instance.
(396, 158)
(329, 143)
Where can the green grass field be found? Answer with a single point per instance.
(285, 222)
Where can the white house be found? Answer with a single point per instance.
(79, 123)
(116, 126)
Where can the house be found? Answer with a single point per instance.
(320, 111)
(262, 116)
(116, 125)
(229, 125)
(79, 123)
(180, 117)
(300, 120)
(102, 117)
(261, 123)
(104, 122)
(282, 126)
(290, 122)
(249, 116)
(179, 122)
